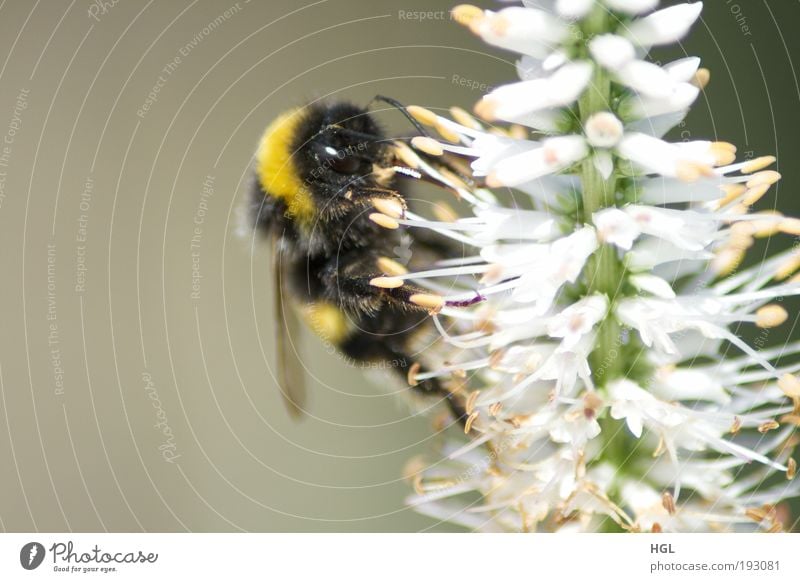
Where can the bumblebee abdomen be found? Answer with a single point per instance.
(329, 322)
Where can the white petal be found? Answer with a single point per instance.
(555, 60)
(683, 70)
(652, 284)
(635, 425)
(573, 251)
(640, 497)
(529, 68)
(544, 120)
(625, 389)
(616, 227)
(525, 359)
(685, 229)
(555, 154)
(515, 258)
(515, 224)
(455, 513)
(698, 151)
(624, 395)
(604, 163)
(651, 153)
(494, 148)
(665, 26)
(655, 155)
(577, 320)
(513, 101)
(643, 106)
(687, 384)
(632, 6)
(612, 51)
(574, 8)
(662, 190)
(659, 125)
(652, 252)
(524, 30)
(549, 191)
(647, 79)
(566, 366)
(547, 5)
(562, 263)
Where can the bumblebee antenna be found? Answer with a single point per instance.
(402, 109)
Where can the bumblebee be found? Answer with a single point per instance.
(326, 191)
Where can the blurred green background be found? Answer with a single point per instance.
(106, 344)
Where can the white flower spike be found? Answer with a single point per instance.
(592, 325)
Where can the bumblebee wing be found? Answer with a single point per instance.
(291, 373)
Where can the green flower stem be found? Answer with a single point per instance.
(597, 21)
(604, 270)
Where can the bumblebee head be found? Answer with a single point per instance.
(339, 148)
(310, 157)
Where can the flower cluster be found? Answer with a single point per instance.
(592, 324)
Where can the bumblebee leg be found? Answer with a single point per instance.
(366, 347)
(358, 286)
(384, 200)
(371, 293)
(433, 386)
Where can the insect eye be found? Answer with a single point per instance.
(345, 164)
(341, 161)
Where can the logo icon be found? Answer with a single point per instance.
(31, 555)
